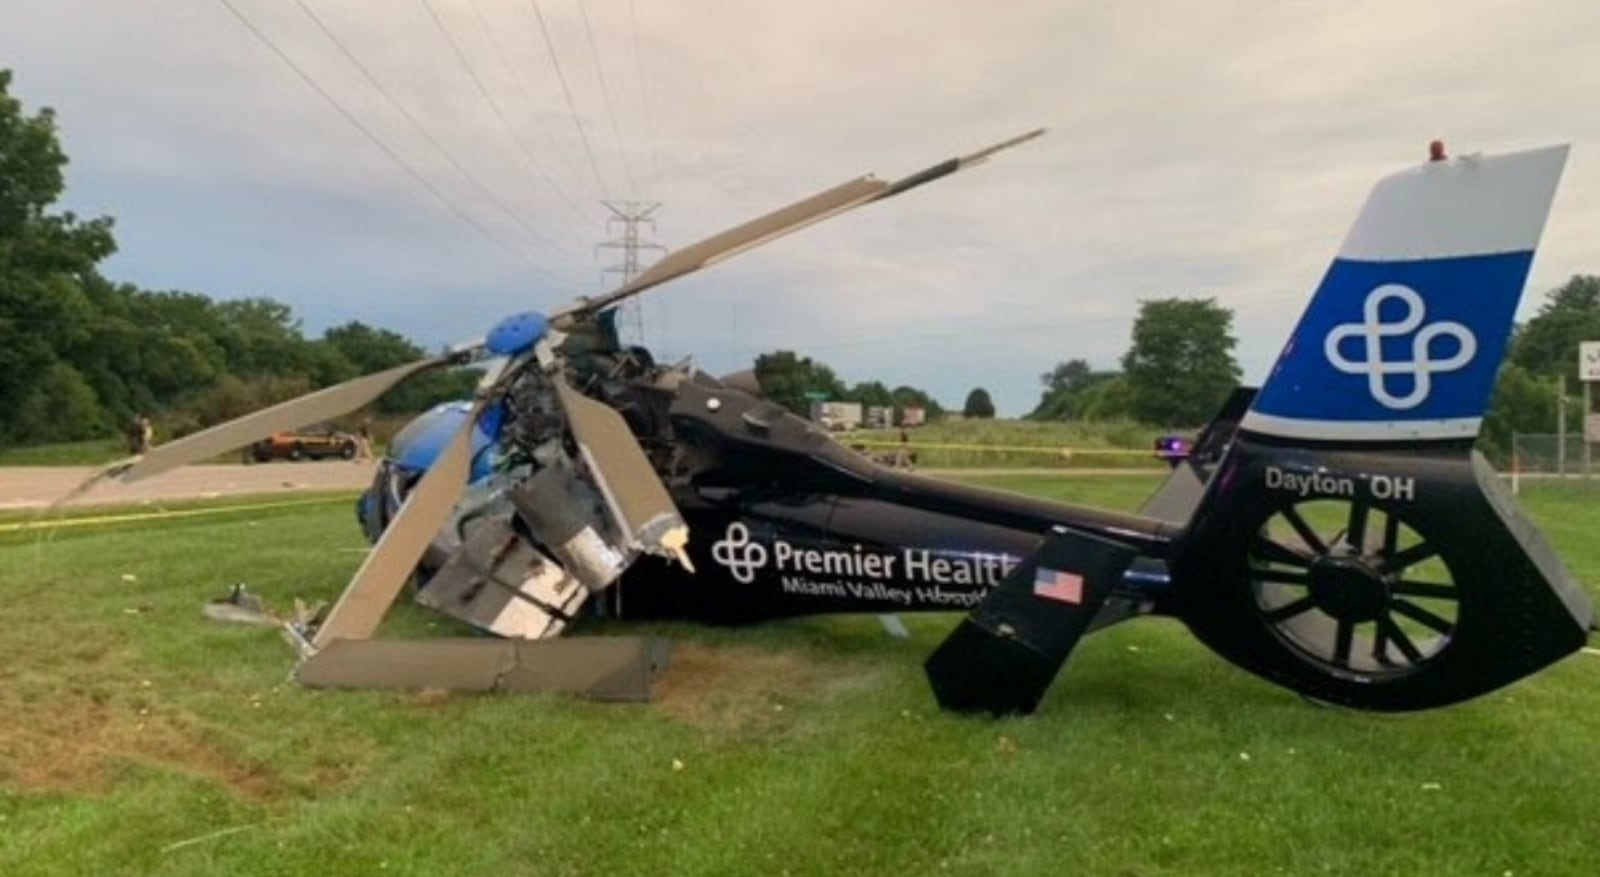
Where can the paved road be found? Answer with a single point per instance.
(37, 486)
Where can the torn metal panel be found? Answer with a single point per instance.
(501, 584)
(623, 473)
(555, 507)
(600, 668)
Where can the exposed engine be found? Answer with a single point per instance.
(537, 532)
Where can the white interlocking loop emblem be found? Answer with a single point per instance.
(1420, 367)
(741, 556)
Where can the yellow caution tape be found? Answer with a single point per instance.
(96, 520)
(1021, 449)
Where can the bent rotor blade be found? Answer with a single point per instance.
(633, 491)
(391, 561)
(310, 408)
(798, 215)
(87, 485)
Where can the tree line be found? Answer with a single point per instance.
(793, 381)
(81, 356)
(1180, 367)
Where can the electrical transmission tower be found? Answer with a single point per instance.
(626, 217)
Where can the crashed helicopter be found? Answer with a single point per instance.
(1333, 532)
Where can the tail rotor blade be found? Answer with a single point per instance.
(379, 580)
(310, 408)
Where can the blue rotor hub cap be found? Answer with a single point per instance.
(517, 333)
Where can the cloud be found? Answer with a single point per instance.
(1197, 149)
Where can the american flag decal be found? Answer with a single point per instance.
(1053, 584)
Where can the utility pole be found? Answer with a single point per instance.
(1561, 426)
(626, 217)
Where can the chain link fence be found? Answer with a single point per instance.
(1551, 458)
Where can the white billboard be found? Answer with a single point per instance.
(1589, 360)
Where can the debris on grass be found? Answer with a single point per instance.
(222, 832)
(429, 697)
(240, 606)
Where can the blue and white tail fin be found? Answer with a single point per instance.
(1402, 340)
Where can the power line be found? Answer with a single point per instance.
(527, 154)
(423, 131)
(605, 93)
(516, 75)
(374, 139)
(654, 169)
(572, 106)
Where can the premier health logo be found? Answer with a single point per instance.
(742, 557)
(1420, 367)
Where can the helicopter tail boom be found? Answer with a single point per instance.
(1352, 546)
(1348, 543)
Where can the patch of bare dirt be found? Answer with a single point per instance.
(731, 689)
(427, 698)
(68, 721)
(72, 742)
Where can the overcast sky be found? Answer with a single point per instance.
(1196, 149)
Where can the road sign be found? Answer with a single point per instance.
(1589, 361)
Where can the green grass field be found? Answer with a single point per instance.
(89, 453)
(965, 444)
(132, 732)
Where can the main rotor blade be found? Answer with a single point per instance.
(379, 580)
(310, 408)
(831, 202)
(737, 239)
(635, 494)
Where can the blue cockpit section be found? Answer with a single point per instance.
(422, 440)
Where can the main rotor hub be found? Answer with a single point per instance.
(1349, 588)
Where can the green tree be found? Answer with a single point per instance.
(978, 404)
(1180, 365)
(1068, 377)
(911, 397)
(870, 393)
(1548, 344)
(1109, 399)
(42, 254)
(369, 349)
(373, 350)
(1522, 402)
(1068, 389)
(787, 378)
